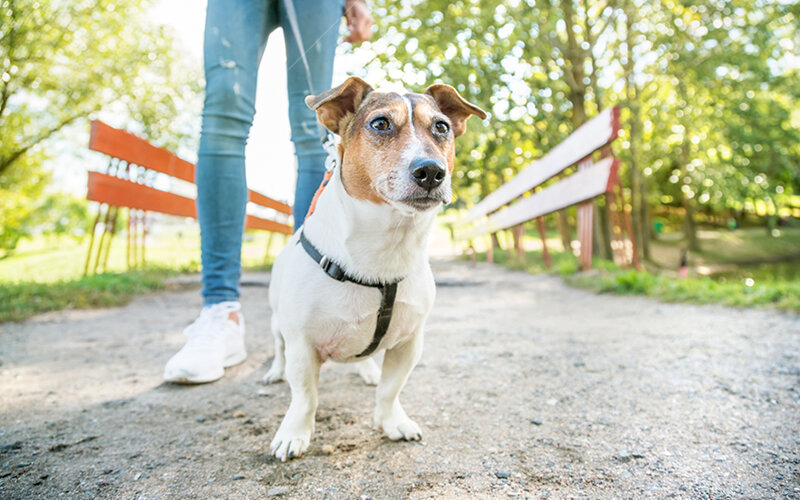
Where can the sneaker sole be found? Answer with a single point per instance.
(189, 380)
(232, 359)
(235, 358)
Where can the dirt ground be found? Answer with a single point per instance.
(527, 388)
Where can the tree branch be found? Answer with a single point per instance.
(5, 163)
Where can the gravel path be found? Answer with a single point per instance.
(527, 388)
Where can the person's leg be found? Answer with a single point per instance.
(235, 36)
(319, 29)
(236, 33)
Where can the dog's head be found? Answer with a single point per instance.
(396, 149)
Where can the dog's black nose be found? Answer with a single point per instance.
(427, 173)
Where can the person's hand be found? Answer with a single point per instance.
(359, 21)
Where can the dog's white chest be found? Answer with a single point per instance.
(341, 318)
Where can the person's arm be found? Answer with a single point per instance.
(359, 21)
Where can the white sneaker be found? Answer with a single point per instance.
(215, 342)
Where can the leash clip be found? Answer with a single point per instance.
(331, 147)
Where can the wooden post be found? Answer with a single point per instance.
(517, 233)
(111, 234)
(269, 245)
(585, 225)
(144, 234)
(91, 241)
(102, 239)
(490, 250)
(548, 261)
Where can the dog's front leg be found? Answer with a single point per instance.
(302, 373)
(389, 415)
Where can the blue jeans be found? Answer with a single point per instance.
(235, 37)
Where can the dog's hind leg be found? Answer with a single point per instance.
(369, 371)
(302, 373)
(389, 415)
(275, 373)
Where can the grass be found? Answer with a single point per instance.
(720, 247)
(47, 274)
(699, 290)
(771, 285)
(44, 260)
(19, 301)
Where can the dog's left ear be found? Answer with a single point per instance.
(454, 106)
(335, 104)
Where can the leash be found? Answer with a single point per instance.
(388, 292)
(324, 136)
(332, 269)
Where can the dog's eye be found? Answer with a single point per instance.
(380, 124)
(441, 127)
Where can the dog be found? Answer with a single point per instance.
(368, 233)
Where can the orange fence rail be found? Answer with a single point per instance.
(118, 187)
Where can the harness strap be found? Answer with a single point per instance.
(388, 292)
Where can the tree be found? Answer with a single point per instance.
(60, 62)
(708, 91)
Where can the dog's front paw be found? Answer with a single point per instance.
(288, 445)
(398, 427)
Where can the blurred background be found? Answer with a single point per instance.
(709, 148)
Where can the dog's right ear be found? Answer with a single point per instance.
(333, 105)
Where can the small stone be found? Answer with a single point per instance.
(23, 464)
(108, 471)
(137, 476)
(236, 477)
(16, 445)
(536, 421)
(264, 392)
(200, 419)
(328, 449)
(502, 474)
(239, 414)
(552, 401)
(278, 491)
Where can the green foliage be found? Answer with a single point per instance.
(708, 89)
(22, 300)
(780, 294)
(63, 62)
(774, 283)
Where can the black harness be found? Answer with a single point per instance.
(388, 292)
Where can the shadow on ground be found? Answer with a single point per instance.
(527, 388)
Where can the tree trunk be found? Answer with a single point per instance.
(638, 192)
(689, 225)
(577, 96)
(602, 230)
(564, 230)
(646, 222)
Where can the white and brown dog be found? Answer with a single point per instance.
(368, 234)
